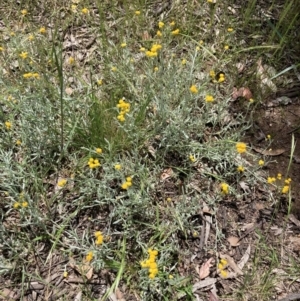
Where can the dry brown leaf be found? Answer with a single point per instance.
(152, 151)
(89, 274)
(213, 296)
(293, 219)
(244, 186)
(242, 92)
(245, 258)
(69, 91)
(269, 152)
(276, 230)
(146, 35)
(167, 173)
(232, 264)
(204, 270)
(119, 295)
(234, 241)
(78, 297)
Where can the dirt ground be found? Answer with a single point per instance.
(281, 122)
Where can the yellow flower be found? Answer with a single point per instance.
(24, 204)
(194, 89)
(279, 176)
(99, 237)
(137, 12)
(151, 54)
(224, 188)
(288, 181)
(171, 277)
(71, 60)
(85, 11)
(251, 100)
(230, 29)
(226, 47)
(269, 137)
(223, 274)
(8, 125)
(175, 32)
(12, 34)
(65, 274)
(42, 30)
(155, 47)
(212, 73)
(35, 75)
(123, 45)
(99, 150)
(285, 189)
(241, 147)
(113, 69)
(128, 179)
(99, 82)
(89, 256)
(161, 24)
(23, 55)
(24, 12)
(16, 205)
(261, 162)
(209, 98)
(121, 117)
(169, 200)
(158, 33)
(118, 167)
(240, 169)
(201, 42)
(124, 186)
(31, 37)
(155, 69)
(172, 23)
(221, 78)
(192, 158)
(18, 142)
(183, 62)
(270, 180)
(1, 48)
(142, 49)
(93, 163)
(62, 183)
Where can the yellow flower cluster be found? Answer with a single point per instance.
(8, 125)
(31, 75)
(209, 98)
(221, 78)
(127, 184)
(224, 188)
(271, 180)
(99, 238)
(161, 24)
(175, 32)
(23, 204)
(151, 263)
(240, 168)
(192, 158)
(221, 268)
(241, 147)
(194, 89)
(286, 187)
(124, 108)
(23, 55)
(93, 163)
(118, 167)
(62, 183)
(261, 162)
(89, 256)
(153, 52)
